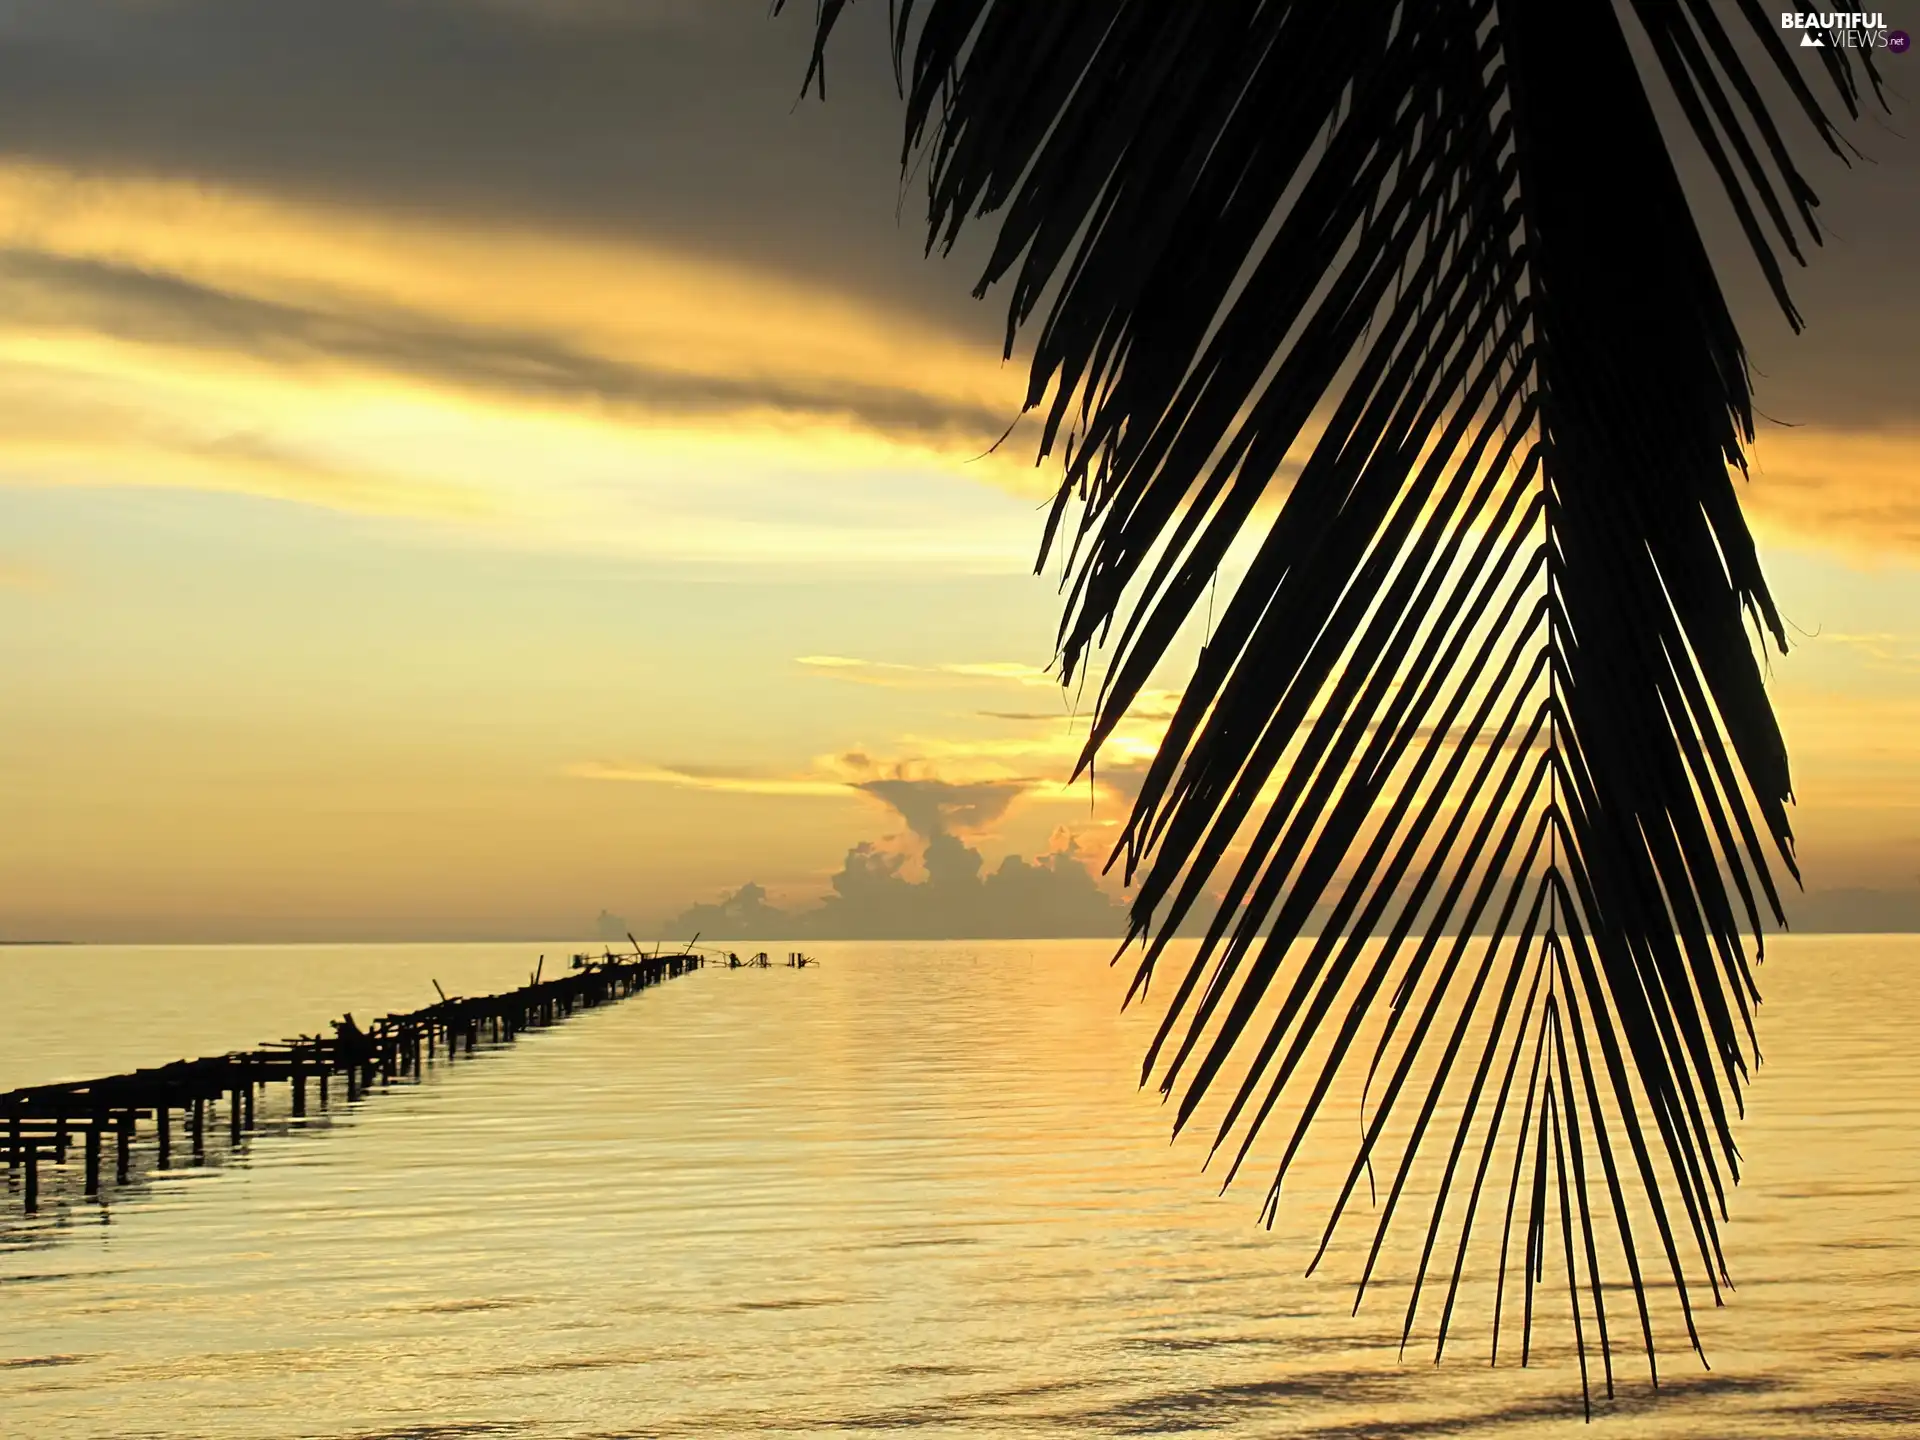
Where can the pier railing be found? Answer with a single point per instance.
(43, 1122)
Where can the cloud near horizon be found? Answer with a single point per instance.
(1053, 895)
(874, 895)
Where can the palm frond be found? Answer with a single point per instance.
(1484, 704)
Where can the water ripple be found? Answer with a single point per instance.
(916, 1189)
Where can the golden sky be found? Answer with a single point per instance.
(452, 488)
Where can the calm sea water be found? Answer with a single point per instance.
(913, 1190)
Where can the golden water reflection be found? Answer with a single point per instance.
(914, 1189)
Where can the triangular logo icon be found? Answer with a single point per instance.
(1809, 41)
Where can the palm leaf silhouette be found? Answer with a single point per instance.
(1479, 748)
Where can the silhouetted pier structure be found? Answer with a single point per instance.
(43, 1122)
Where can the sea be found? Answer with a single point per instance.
(916, 1189)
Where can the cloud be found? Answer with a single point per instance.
(665, 128)
(704, 778)
(1014, 671)
(872, 899)
(841, 662)
(675, 121)
(941, 781)
(893, 673)
(967, 790)
(967, 784)
(743, 914)
(879, 891)
(933, 808)
(382, 200)
(43, 292)
(511, 385)
(82, 419)
(1882, 651)
(913, 789)
(1855, 491)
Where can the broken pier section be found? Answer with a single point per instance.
(43, 1122)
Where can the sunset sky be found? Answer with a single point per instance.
(468, 464)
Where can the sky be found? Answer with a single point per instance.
(491, 468)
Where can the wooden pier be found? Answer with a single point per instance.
(105, 1116)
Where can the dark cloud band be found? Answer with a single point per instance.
(43, 292)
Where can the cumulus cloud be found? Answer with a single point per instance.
(933, 808)
(872, 899)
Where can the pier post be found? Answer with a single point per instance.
(123, 1156)
(163, 1124)
(32, 1159)
(93, 1160)
(199, 1126)
(236, 1108)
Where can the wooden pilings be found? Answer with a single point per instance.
(40, 1119)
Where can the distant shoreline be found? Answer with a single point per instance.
(39, 942)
